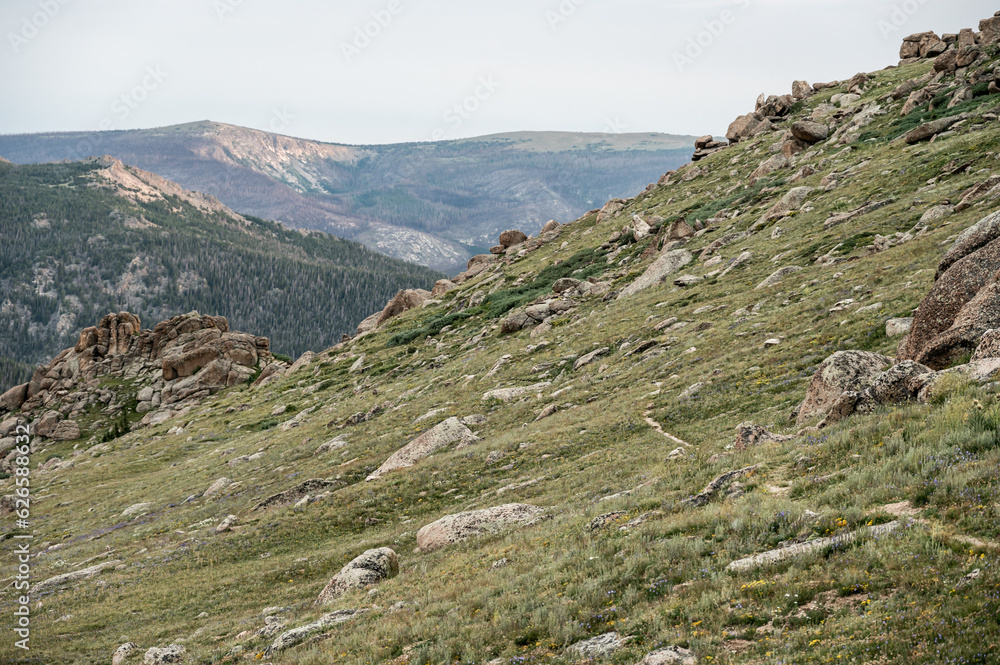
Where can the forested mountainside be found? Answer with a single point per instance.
(434, 203)
(84, 239)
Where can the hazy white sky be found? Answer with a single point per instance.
(436, 68)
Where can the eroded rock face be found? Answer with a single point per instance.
(372, 567)
(972, 239)
(940, 309)
(842, 372)
(452, 529)
(180, 360)
(980, 314)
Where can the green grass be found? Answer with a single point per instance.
(899, 599)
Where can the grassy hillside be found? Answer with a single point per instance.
(633, 437)
(431, 203)
(79, 243)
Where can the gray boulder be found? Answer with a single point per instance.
(372, 567)
(462, 526)
(441, 436)
(667, 264)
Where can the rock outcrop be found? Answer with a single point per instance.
(960, 306)
(372, 567)
(452, 529)
(177, 363)
(844, 371)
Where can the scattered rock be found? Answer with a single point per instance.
(217, 486)
(299, 635)
(76, 575)
(777, 276)
(124, 653)
(720, 483)
(810, 132)
(227, 524)
(163, 656)
(604, 520)
(898, 327)
(989, 346)
(510, 238)
(670, 656)
(456, 528)
(597, 647)
(583, 361)
(441, 436)
(802, 90)
(970, 241)
(930, 129)
(669, 263)
(137, 509)
(813, 546)
(296, 494)
(748, 435)
(372, 567)
(953, 312)
(511, 394)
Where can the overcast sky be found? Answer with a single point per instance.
(299, 67)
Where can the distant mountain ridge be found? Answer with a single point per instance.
(86, 238)
(435, 204)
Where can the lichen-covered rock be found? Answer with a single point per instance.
(295, 636)
(971, 240)
(980, 314)
(670, 656)
(441, 436)
(900, 383)
(125, 652)
(462, 526)
(940, 308)
(372, 567)
(165, 656)
(600, 646)
(843, 371)
(989, 346)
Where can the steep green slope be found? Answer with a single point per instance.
(629, 438)
(83, 239)
(433, 203)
